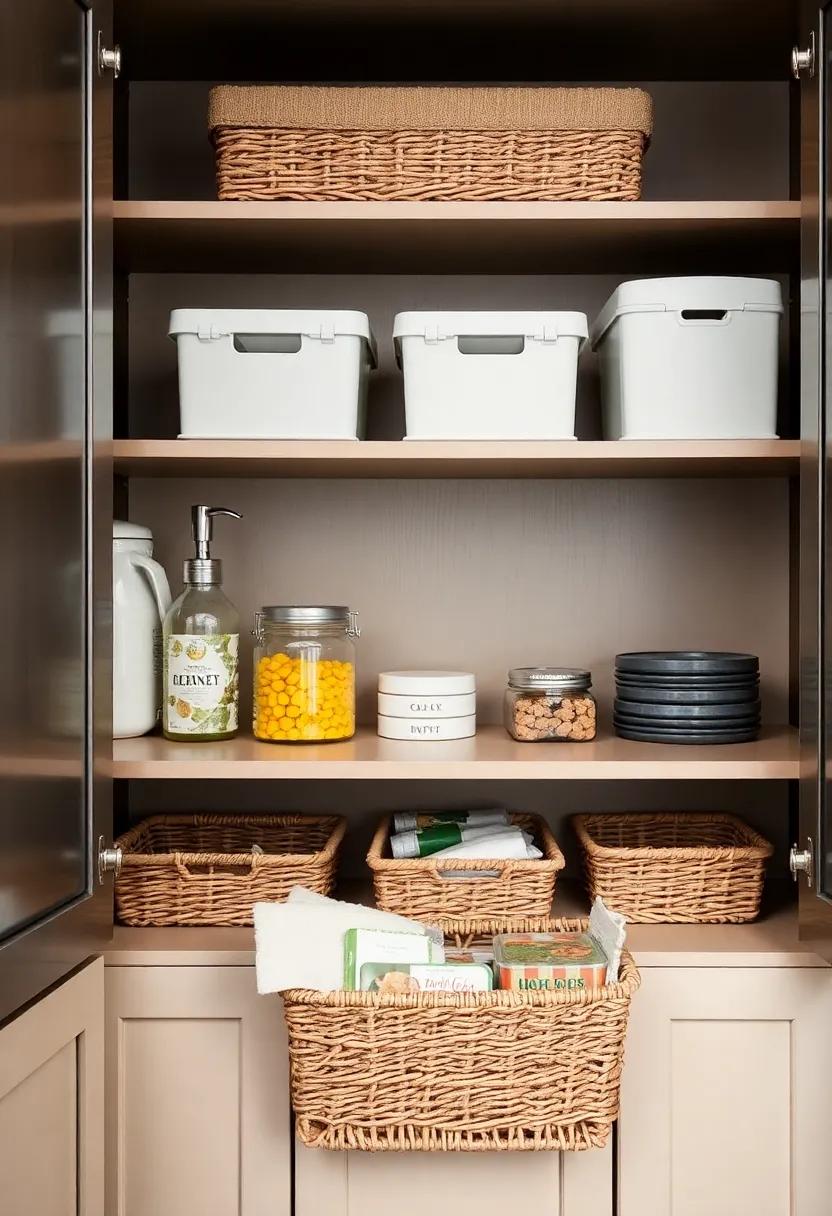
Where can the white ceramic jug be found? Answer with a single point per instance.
(141, 598)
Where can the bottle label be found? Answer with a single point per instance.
(201, 683)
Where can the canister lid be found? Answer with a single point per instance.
(309, 614)
(124, 530)
(558, 679)
(427, 683)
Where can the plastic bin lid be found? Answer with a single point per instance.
(309, 322)
(440, 325)
(716, 292)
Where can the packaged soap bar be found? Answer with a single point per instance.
(548, 962)
(403, 979)
(411, 821)
(382, 946)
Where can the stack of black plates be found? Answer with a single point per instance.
(687, 696)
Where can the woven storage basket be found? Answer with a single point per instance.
(674, 868)
(201, 870)
(437, 143)
(416, 886)
(465, 1072)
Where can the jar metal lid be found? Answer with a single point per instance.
(427, 683)
(555, 678)
(315, 614)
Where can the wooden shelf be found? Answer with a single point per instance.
(556, 238)
(454, 458)
(771, 941)
(492, 755)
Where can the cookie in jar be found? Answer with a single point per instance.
(550, 705)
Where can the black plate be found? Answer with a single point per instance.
(639, 736)
(707, 713)
(657, 681)
(688, 696)
(685, 725)
(688, 662)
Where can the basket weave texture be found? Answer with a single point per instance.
(472, 1072)
(674, 868)
(427, 166)
(202, 870)
(416, 887)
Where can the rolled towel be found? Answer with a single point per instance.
(502, 846)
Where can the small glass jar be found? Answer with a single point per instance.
(550, 704)
(304, 674)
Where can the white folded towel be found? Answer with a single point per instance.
(300, 944)
(511, 845)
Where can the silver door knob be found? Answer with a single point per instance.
(803, 61)
(801, 861)
(109, 860)
(109, 58)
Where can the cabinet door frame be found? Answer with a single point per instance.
(170, 993)
(801, 996)
(72, 1013)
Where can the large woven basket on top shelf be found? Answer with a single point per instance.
(674, 868)
(434, 888)
(212, 869)
(461, 1072)
(428, 143)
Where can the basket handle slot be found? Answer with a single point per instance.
(244, 863)
(443, 876)
(267, 344)
(486, 344)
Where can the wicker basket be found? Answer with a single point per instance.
(202, 870)
(473, 1072)
(417, 887)
(674, 868)
(437, 143)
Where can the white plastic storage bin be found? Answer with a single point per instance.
(267, 373)
(489, 375)
(691, 358)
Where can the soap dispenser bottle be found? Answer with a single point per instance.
(201, 646)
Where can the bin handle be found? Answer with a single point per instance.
(704, 316)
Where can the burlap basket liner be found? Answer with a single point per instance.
(203, 869)
(478, 1072)
(422, 143)
(674, 868)
(416, 887)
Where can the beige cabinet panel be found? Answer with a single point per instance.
(197, 1094)
(52, 1103)
(725, 1094)
(446, 1184)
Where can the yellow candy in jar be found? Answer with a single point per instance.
(318, 701)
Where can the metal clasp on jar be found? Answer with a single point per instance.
(257, 631)
(353, 630)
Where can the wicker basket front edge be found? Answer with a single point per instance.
(648, 867)
(413, 887)
(484, 1072)
(179, 879)
(312, 165)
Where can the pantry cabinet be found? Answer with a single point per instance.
(198, 1120)
(725, 1094)
(561, 1184)
(52, 1102)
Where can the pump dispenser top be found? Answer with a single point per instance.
(202, 569)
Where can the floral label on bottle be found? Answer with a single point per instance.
(201, 683)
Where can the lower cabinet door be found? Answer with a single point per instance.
(198, 1119)
(725, 1099)
(52, 1102)
(449, 1184)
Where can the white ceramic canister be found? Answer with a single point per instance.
(427, 705)
(141, 598)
